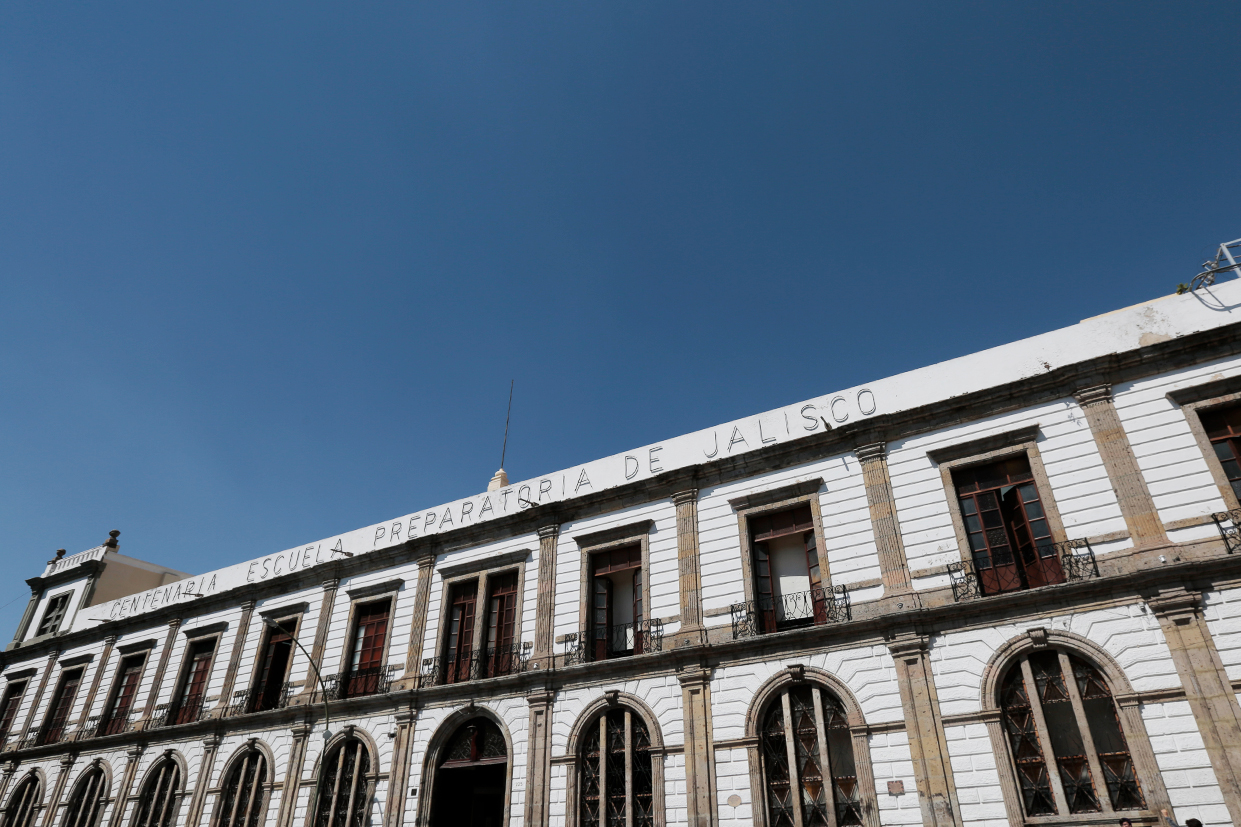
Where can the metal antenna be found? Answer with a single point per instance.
(504, 450)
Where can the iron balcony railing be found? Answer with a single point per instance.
(113, 725)
(621, 640)
(814, 607)
(1230, 533)
(1076, 558)
(356, 684)
(485, 663)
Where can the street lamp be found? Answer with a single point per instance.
(327, 733)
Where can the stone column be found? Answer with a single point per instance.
(1207, 687)
(293, 778)
(688, 568)
(418, 625)
(699, 746)
(132, 756)
(398, 776)
(202, 783)
(545, 607)
(893, 567)
(53, 802)
(169, 640)
(539, 758)
(108, 643)
(316, 651)
(38, 696)
(1134, 497)
(234, 660)
(927, 743)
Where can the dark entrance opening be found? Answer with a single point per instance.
(471, 779)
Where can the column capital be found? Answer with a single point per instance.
(1174, 603)
(175, 623)
(1093, 395)
(110, 640)
(135, 752)
(693, 675)
(687, 496)
(331, 583)
(426, 561)
(872, 452)
(67, 759)
(540, 697)
(909, 643)
(212, 741)
(248, 605)
(549, 532)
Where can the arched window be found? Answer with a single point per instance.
(805, 744)
(471, 778)
(242, 801)
(1065, 738)
(24, 802)
(87, 799)
(615, 778)
(160, 797)
(344, 790)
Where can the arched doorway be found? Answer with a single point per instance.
(471, 777)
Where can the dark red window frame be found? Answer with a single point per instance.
(276, 656)
(366, 656)
(459, 642)
(13, 695)
(193, 690)
(1223, 427)
(54, 614)
(764, 527)
(501, 623)
(128, 676)
(606, 639)
(1009, 535)
(62, 705)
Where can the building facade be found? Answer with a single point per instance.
(1004, 589)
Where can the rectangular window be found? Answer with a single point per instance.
(273, 669)
(370, 633)
(501, 657)
(1009, 536)
(62, 704)
(55, 613)
(125, 689)
(460, 641)
(616, 628)
(188, 702)
(788, 588)
(8, 709)
(1223, 428)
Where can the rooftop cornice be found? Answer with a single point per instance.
(1057, 383)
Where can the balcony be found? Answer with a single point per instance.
(621, 640)
(1231, 534)
(360, 683)
(815, 607)
(1075, 557)
(485, 663)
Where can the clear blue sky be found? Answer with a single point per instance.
(266, 270)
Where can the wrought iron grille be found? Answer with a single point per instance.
(1231, 534)
(814, 607)
(375, 681)
(485, 663)
(620, 640)
(1077, 561)
(159, 718)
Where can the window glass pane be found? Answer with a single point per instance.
(1109, 740)
(590, 777)
(806, 750)
(776, 768)
(1024, 747)
(1065, 735)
